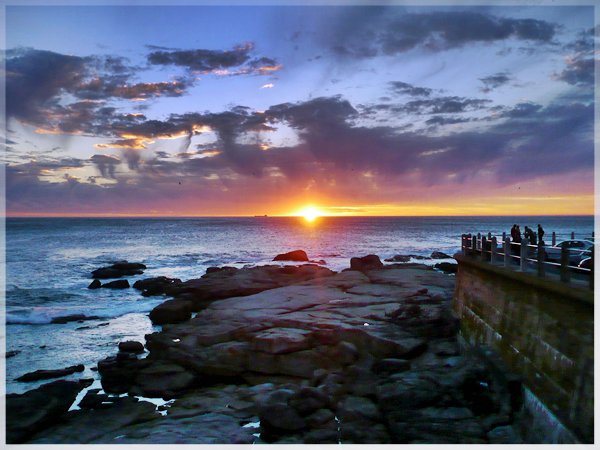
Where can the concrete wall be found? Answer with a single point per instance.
(543, 330)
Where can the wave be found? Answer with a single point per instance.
(44, 315)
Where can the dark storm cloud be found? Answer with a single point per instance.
(38, 80)
(106, 165)
(441, 120)
(35, 79)
(389, 32)
(444, 105)
(239, 60)
(579, 71)
(438, 31)
(532, 141)
(494, 81)
(400, 87)
(579, 64)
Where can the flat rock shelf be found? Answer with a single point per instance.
(367, 356)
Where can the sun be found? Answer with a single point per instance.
(310, 213)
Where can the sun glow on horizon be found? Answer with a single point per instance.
(310, 213)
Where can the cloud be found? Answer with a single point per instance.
(106, 165)
(221, 62)
(579, 71)
(444, 105)
(267, 86)
(388, 32)
(400, 87)
(492, 82)
(35, 79)
(579, 64)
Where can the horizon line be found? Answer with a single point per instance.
(148, 216)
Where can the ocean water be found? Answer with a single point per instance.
(48, 265)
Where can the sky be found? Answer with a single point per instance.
(251, 110)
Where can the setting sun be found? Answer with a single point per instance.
(310, 213)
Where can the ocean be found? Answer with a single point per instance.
(49, 260)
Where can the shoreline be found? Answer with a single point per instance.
(294, 348)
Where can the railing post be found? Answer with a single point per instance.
(506, 252)
(565, 274)
(554, 239)
(483, 248)
(493, 255)
(572, 235)
(524, 244)
(478, 241)
(503, 236)
(541, 257)
(463, 244)
(473, 244)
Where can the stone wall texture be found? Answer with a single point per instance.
(543, 330)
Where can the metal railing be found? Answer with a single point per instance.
(526, 257)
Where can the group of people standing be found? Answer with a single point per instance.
(532, 237)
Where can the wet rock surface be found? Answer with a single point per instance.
(51, 373)
(294, 355)
(38, 409)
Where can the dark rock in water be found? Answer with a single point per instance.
(73, 318)
(125, 266)
(119, 269)
(447, 267)
(131, 347)
(106, 272)
(95, 284)
(221, 269)
(12, 353)
(368, 262)
(117, 284)
(296, 255)
(46, 374)
(404, 258)
(439, 255)
(171, 311)
(31, 412)
(155, 286)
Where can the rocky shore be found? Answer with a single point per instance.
(286, 354)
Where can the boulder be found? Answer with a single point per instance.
(391, 365)
(369, 262)
(52, 373)
(31, 412)
(447, 267)
(156, 285)
(12, 353)
(94, 400)
(118, 375)
(131, 347)
(163, 379)
(439, 255)
(276, 415)
(95, 284)
(296, 255)
(73, 318)
(117, 284)
(118, 270)
(171, 311)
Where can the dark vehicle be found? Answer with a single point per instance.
(579, 249)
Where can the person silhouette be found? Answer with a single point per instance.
(540, 233)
